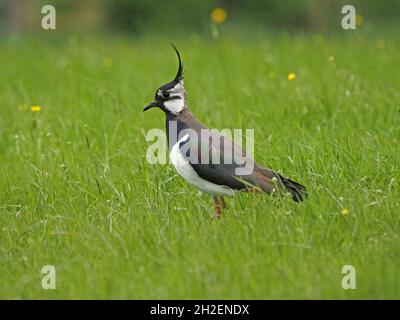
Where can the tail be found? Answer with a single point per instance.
(297, 190)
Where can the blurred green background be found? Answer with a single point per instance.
(141, 17)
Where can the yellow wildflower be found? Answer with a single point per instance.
(344, 211)
(107, 62)
(380, 44)
(218, 15)
(359, 19)
(291, 76)
(36, 108)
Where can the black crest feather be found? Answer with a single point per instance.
(179, 75)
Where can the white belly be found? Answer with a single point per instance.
(183, 167)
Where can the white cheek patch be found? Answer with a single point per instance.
(174, 106)
(178, 104)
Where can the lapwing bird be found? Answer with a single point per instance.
(194, 149)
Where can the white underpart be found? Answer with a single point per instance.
(184, 168)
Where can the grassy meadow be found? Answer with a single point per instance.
(77, 192)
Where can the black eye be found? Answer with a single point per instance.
(165, 94)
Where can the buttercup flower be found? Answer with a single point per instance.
(107, 62)
(359, 19)
(218, 15)
(291, 76)
(36, 108)
(344, 211)
(380, 44)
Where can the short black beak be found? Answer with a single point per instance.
(151, 105)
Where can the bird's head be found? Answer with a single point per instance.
(171, 96)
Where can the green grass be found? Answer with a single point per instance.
(76, 191)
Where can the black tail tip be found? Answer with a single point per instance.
(299, 196)
(297, 190)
